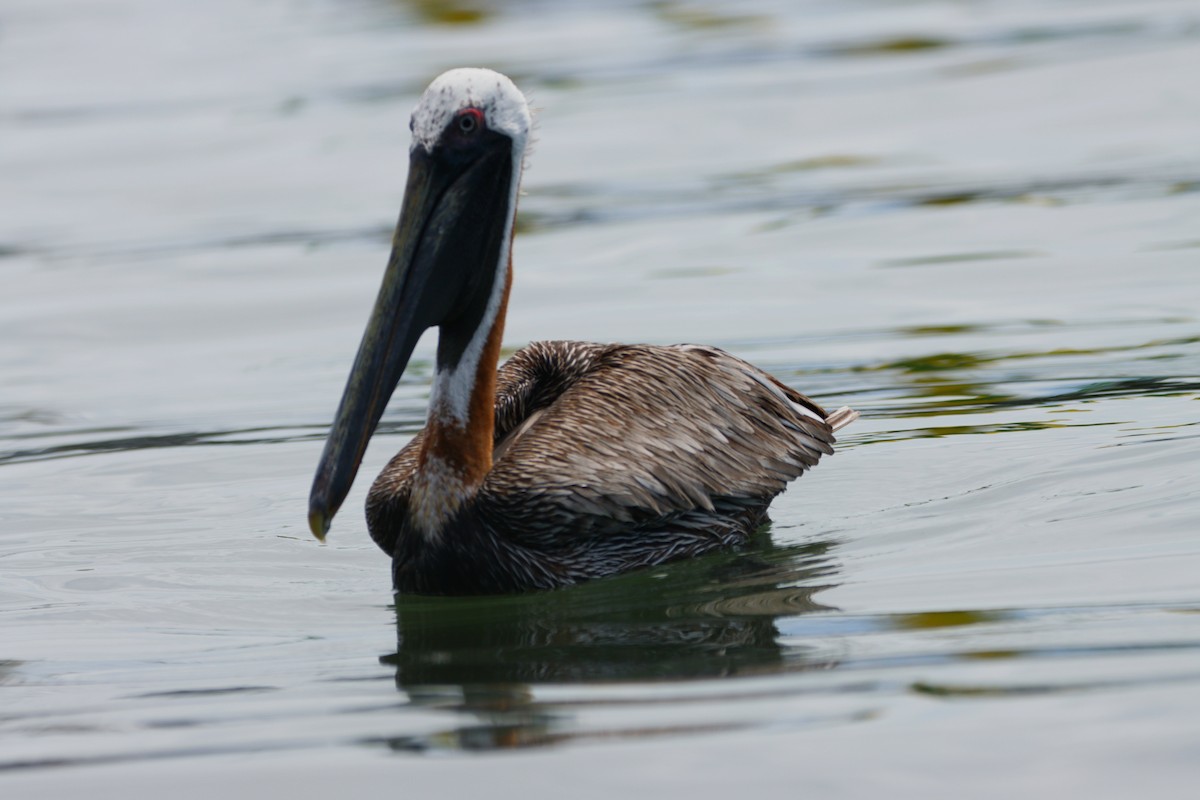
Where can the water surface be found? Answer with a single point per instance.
(975, 222)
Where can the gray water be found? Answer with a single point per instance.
(974, 221)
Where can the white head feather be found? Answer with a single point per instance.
(504, 107)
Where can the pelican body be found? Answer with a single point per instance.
(573, 460)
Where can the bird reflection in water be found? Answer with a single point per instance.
(712, 618)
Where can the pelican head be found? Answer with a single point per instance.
(448, 266)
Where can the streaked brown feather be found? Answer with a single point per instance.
(609, 457)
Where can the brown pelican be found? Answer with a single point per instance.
(572, 461)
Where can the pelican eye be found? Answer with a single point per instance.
(470, 120)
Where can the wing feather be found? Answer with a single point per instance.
(597, 443)
(642, 435)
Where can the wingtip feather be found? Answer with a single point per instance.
(841, 418)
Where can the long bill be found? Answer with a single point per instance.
(409, 302)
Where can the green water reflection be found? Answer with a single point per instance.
(708, 618)
(715, 617)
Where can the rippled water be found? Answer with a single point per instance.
(975, 221)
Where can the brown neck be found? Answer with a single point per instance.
(459, 447)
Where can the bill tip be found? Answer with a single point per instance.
(318, 523)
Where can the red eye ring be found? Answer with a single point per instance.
(470, 120)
